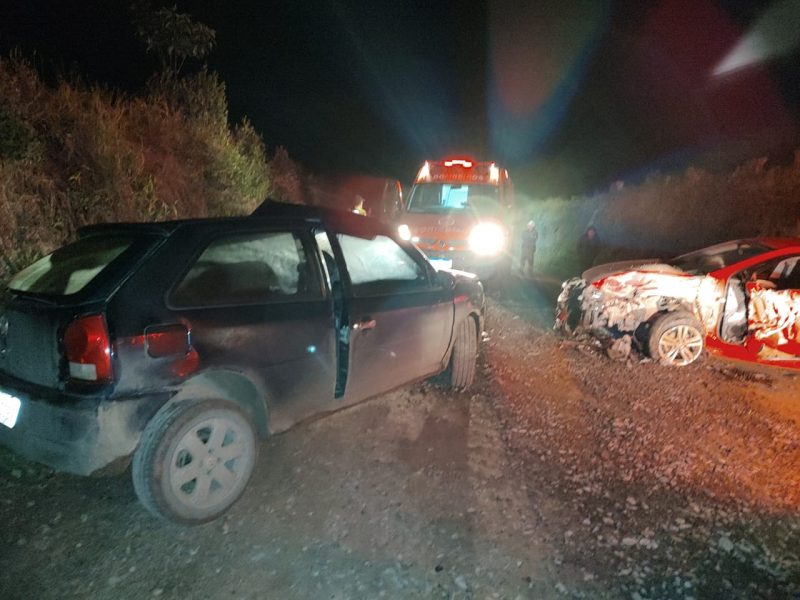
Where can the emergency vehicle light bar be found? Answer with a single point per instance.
(464, 170)
(458, 161)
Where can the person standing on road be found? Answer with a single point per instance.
(529, 238)
(588, 246)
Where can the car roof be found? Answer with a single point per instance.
(268, 210)
(779, 243)
(338, 219)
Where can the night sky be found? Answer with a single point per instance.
(571, 95)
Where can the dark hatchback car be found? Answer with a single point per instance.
(179, 344)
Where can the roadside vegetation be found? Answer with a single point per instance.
(72, 153)
(668, 214)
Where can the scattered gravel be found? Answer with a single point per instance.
(561, 474)
(669, 483)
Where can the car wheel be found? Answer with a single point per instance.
(676, 339)
(194, 460)
(464, 356)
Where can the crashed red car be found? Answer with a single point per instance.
(739, 299)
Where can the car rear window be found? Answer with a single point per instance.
(71, 268)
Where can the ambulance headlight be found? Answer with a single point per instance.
(487, 239)
(404, 232)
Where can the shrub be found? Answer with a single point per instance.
(71, 155)
(16, 140)
(290, 183)
(669, 214)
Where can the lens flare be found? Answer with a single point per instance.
(487, 239)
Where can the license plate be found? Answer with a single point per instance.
(441, 263)
(9, 409)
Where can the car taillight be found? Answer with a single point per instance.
(88, 349)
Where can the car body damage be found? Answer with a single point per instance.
(178, 344)
(774, 320)
(614, 308)
(740, 299)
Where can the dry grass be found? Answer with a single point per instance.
(669, 214)
(75, 155)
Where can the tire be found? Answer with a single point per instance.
(676, 339)
(464, 355)
(218, 437)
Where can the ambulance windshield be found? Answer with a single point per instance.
(453, 197)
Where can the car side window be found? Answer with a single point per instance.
(242, 269)
(779, 273)
(787, 273)
(380, 266)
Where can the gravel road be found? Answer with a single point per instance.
(561, 474)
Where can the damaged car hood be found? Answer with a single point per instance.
(598, 272)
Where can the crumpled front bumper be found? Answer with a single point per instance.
(574, 307)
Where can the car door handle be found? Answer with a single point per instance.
(365, 324)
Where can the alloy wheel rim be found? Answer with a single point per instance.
(209, 463)
(680, 345)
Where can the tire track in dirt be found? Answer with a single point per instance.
(507, 535)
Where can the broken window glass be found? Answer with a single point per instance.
(246, 269)
(380, 265)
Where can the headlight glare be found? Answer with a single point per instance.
(487, 239)
(404, 232)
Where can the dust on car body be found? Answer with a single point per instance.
(179, 344)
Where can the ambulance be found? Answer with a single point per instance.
(460, 213)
